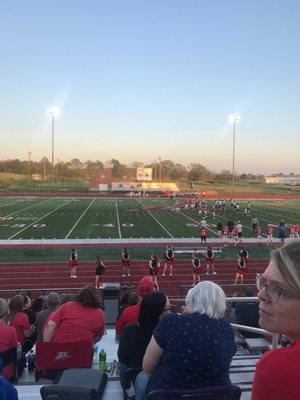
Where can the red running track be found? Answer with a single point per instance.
(56, 275)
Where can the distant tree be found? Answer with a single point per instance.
(136, 164)
(118, 169)
(200, 173)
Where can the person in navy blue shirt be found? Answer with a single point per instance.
(191, 350)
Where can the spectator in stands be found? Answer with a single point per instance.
(132, 300)
(131, 313)
(20, 322)
(53, 301)
(191, 350)
(67, 297)
(247, 313)
(76, 321)
(135, 338)
(10, 391)
(27, 308)
(277, 374)
(38, 305)
(125, 296)
(8, 342)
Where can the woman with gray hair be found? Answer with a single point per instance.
(277, 374)
(190, 350)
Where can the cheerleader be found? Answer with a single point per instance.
(169, 260)
(196, 268)
(100, 268)
(210, 259)
(73, 262)
(154, 266)
(125, 262)
(241, 271)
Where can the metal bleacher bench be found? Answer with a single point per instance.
(217, 251)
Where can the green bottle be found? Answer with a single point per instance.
(102, 360)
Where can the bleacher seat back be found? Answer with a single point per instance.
(77, 384)
(63, 355)
(2, 394)
(228, 392)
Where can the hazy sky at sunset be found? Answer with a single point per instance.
(139, 79)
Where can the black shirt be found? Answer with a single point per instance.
(133, 345)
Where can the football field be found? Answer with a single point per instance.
(71, 218)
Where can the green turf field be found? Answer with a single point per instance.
(71, 218)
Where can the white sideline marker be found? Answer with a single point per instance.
(76, 223)
(118, 219)
(26, 208)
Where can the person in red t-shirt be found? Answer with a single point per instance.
(277, 374)
(203, 234)
(8, 340)
(20, 322)
(76, 321)
(130, 314)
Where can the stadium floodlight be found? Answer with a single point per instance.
(233, 118)
(53, 112)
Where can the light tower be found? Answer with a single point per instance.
(53, 112)
(233, 118)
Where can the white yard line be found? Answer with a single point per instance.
(278, 215)
(8, 204)
(118, 219)
(50, 212)
(81, 216)
(150, 213)
(26, 208)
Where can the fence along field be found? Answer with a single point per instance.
(71, 218)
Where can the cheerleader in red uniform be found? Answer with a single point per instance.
(73, 262)
(169, 260)
(210, 260)
(196, 268)
(125, 262)
(241, 271)
(100, 268)
(154, 266)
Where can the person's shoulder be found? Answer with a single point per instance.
(275, 359)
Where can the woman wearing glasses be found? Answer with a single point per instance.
(277, 374)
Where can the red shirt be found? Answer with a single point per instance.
(8, 340)
(21, 323)
(258, 230)
(129, 316)
(269, 230)
(235, 231)
(203, 231)
(77, 323)
(277, 374)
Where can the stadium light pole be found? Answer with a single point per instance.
(53, 112)
(233, 118)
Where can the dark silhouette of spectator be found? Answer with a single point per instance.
(53, 302)
(67, 297)
(135, 338)
(27, 308)
(131, 313)
(247, 313)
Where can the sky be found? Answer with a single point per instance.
(136, 80)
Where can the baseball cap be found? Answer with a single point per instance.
(145, 286)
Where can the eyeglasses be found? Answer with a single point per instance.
(273, 292)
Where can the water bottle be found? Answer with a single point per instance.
(102, 360)
(31, 361)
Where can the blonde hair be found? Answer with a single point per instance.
(287, 259)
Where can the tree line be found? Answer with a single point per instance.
(164, 170)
